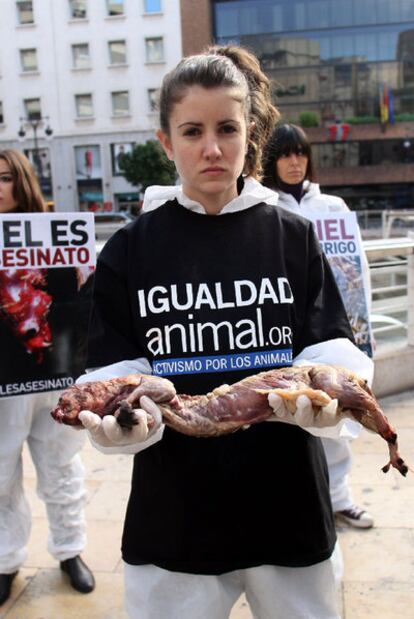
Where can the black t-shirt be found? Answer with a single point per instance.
(210, 300)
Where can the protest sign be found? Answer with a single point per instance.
(341, 242)
(46, 263)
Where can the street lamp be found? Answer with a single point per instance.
(35, 124)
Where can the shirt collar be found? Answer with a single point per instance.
(252, 193)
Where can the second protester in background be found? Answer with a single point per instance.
(288, 169)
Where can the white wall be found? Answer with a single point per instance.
(56, 82)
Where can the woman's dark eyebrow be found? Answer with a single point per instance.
(198, 124)
(229, 120)
(189, 122)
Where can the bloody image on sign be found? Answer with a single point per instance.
(24, 307)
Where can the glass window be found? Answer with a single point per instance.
(233, 19)
(342, 46)
(343, 75)
(248, 19)
(277, 17)
(226, 20)
(117, 52)
(118, 152)
(80, 56)
(363, 79)
(341, 14)
(88, 165)
(318, 14)
(120, 103)
(361, 153)
(32, 109)
(336, 155)
(385, 11)
(1, 113)
(325, 48)
(406, 10)
(300, 16)
(244, 17)
(115, 7)
(408, 75)
(365, 46)
(78, 9)
(374, 44)
(365, 12)
(154, 49)
(387, 45)
(153, 95)
(152, 6)
(25, 12)
(366, 105)
(28, 60)
(405, 51)
(40, 160)
(84, 106)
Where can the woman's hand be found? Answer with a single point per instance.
(107, 432)
(305, 415)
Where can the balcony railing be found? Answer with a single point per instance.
(385, 223)
(391, 264)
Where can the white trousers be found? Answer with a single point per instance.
(272, 592)
(60, 480)
(339, 458)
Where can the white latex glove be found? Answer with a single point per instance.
(107, 432)
(304, 416)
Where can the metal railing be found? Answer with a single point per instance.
(370, 223)
(385, 223)
(391, 264)
(396, 218)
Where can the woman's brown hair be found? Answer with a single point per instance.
(228, 66)
(26, 188)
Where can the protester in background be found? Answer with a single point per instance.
(54, 449)
(250, 511)
(288, 169)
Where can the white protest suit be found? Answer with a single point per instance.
(60, 484)
(337, 451)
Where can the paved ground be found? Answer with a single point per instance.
(379, 563)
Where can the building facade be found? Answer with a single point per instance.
(78, 87)
(344, 70)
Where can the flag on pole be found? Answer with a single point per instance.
(391, 107)
(384, 104)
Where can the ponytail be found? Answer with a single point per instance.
(263, 113)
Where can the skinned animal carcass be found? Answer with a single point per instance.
(231, 407)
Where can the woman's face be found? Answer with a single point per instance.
(207, 142)
(291, 169)
(7, 201)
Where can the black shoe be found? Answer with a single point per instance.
(80, 576)
(5, 586)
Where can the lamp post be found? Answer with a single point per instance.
(35, 124)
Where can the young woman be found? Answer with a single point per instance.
(54, 449)
(212, 283)
(289, 170)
